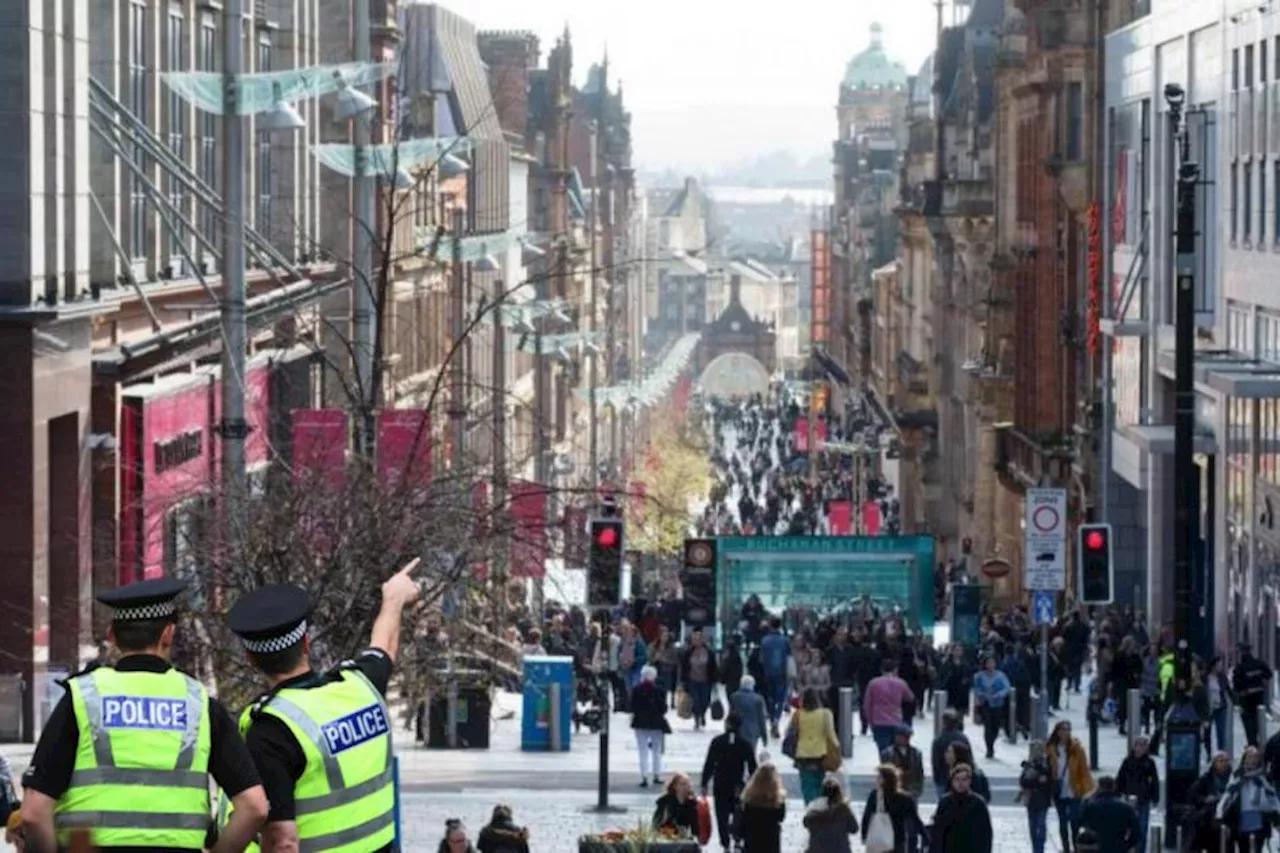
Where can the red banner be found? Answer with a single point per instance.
(871, 518)
(840, 517)
(480, 507)
(528, 530)
(802, 435)
(820, 432)
(404, 448)
(320, 445)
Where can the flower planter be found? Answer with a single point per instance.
(586, 846)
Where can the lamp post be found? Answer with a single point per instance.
(1182, 755)
(363, 304)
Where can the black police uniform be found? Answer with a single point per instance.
(267, 619)
(229, 762)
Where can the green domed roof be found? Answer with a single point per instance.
(872, 69)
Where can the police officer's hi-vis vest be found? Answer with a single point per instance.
(141, 774)
(345, 799)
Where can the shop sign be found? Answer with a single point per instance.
(178, 450)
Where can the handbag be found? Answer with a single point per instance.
(717, 711)
(704, 820)
(880, 836)
(791, 740)
(684, 704)
(832, 760)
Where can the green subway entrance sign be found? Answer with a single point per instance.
(826, 572)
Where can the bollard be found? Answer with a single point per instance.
(1093, 741)
(554, 723)
(1133, 710)
(939, 708)
(1040, 725)
(846, 722)
(1230, 746)
(1012, 732)
(451, 716)
(1153, 839)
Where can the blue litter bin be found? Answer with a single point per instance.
(540, 672)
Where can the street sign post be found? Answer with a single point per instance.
(1045, 539)
(1045, 558)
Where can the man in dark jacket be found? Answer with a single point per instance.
(840, 660)
(1111, 821)
(950, 734)
(1271, 757)
(729, 764)
(1250, 680)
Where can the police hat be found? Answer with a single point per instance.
(272, 618)
(144, 600)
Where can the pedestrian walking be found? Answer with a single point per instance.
(830, 819)
(883, 703)
(764, 808)
(888, 805)
(910, 763)
(322, 741)
(991, 691)
(815, 741)
(960, 753)
(1138, 780)
(774, 653)
(455, 838)
(1108, 820)
(730, 762)
(1249, 808)
(134, 771)
(951, 733)
(1220, 699)
(699, 675)
(649, 723)
(962, 822)
(1072, 780)
(751, 710)
(1034, 792)
(1250, 681)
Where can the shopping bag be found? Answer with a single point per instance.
(879, 832)
(833, 759)
(717, 709)
(791, 740)
(684, 704)
(704, 820)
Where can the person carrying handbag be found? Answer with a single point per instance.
(816, 749)
(890, 819)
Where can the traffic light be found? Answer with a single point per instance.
(604, 566)
(1096, 581)
(698, 582)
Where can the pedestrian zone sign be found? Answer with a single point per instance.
(1045, 537)
(1044, 606)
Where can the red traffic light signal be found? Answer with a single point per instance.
(607, 537)
(1094, 540)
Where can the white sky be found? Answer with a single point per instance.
(715, 82)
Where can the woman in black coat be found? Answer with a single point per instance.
(887, 797)
(678, 807)
(649, 722)
(962, 823)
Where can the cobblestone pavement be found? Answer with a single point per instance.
(555, 821)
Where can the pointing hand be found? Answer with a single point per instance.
(401, 587)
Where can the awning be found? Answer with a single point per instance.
(1230, 373)
(829, 364)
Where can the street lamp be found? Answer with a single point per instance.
(352, 103)
(282, 116)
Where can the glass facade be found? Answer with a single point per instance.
(206, 144)
(137, 79)
(178, 112)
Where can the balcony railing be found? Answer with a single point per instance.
(1029, 461)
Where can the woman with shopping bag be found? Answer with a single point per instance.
(890, 820)
(811, 742)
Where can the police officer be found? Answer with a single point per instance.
(322, 742)
(128, 751)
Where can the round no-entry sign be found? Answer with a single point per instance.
(1045, 518)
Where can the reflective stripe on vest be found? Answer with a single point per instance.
(327, 821)
(149, 796)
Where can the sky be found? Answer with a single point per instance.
(712, 83)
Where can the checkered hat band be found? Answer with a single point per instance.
(147, 611)
(277, 644)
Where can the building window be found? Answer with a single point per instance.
(1248, 66)
(176, 60)
(262, 218)
(1247, 226)
(137, 76)
(207, 153)
(1235, 68)
(1075, 121)
(1235, 200)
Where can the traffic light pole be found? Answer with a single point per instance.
(1186, 515)
(605, 558)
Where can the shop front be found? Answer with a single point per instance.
(168, 459)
